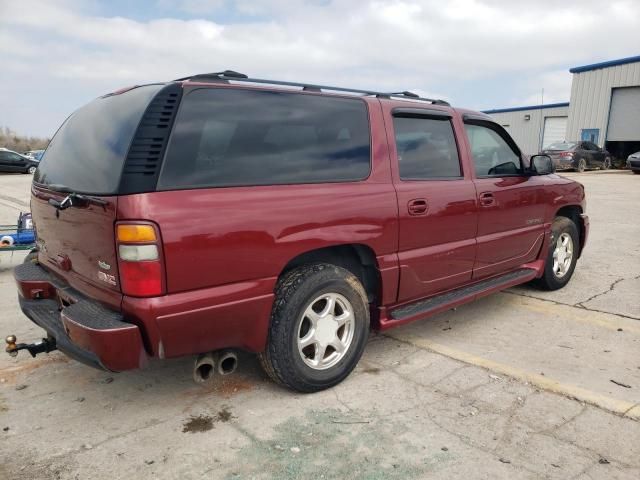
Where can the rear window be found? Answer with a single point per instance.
(88, 151)
(561, 146)
(225, 137)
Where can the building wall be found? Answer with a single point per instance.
(591, 97)
(527, 133)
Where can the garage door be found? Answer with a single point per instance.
(555, 130)
(624, 116)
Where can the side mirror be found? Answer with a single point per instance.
(542, 165)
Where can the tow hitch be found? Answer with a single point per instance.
(46, 345)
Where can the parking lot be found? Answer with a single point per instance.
(521, 384)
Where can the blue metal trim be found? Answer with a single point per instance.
(610, 63)
(531, 107)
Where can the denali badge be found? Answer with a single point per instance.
(110, 279)
(104, 265)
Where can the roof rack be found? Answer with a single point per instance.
(228, 75)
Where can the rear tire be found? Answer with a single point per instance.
(582, 165)
(309, 316)
(637, 172)
(30, 170)
(565, 243)
(606, 165)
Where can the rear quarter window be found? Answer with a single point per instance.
(226, 137)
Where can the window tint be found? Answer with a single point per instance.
(492, 155)
(88, 151)
(225, 137)
(426, 148)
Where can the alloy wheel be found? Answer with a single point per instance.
(326, 331)
(562, 255)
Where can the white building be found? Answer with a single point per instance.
(535, 125)
(604, 109)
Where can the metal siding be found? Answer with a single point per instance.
(591, 97)
(527, 133)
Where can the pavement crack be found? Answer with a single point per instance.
(631, 408)
(612, 286)
(577, 305)
(341, 402)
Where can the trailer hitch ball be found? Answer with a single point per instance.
(11, 345)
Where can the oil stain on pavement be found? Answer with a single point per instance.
(204, 423)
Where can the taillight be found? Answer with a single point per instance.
(566, 154)
(139, 260)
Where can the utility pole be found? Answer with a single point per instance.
(541, 127)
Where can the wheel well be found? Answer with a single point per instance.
(357, 258)
(573, 212)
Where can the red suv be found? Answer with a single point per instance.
(223, 212)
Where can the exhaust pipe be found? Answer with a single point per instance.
(227, 362)
(204, 368)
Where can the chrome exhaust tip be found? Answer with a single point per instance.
(227, 362)
(204, 368)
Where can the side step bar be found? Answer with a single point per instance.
(448, 300)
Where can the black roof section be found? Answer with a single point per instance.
(230, 75)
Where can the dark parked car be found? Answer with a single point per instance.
(633, 162)
(14, 162)
(219, 212)
(578, 156)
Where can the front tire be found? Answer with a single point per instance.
(319, 327)
(563, 254)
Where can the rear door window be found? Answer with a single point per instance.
(228, 137)
(426, 148)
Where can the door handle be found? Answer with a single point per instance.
(417, 206)
(487, 199)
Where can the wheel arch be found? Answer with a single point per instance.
(574, 213)
(358, 258)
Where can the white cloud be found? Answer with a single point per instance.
(426, 45)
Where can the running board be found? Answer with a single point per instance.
(445, 301)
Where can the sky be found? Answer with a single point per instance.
(57, 55)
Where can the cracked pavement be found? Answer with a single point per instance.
(516, 385)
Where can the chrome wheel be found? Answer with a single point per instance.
(606, 165)
(326, 331)
(582, 165)
(31, 170)
(562, 255)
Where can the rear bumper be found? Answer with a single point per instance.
(82, 328)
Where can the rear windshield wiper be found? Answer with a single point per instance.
(76, 200)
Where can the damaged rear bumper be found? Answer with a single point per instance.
(82, 328)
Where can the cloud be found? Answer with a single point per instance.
(477, 53)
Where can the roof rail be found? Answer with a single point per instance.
(227, 75)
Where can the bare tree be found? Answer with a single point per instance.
(20, 143)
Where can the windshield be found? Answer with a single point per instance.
(561, 146)
(88, 151)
